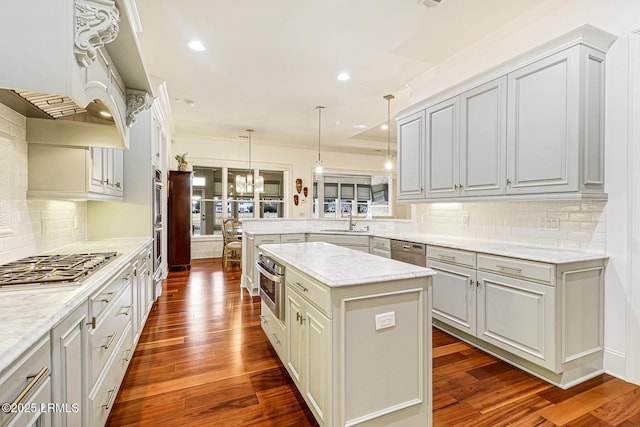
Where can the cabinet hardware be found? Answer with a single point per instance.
(275, 337)
(92, 323)
(302, 288)
(33, 379)
(449, 257)
(107, 181)
(508, 181)
(128, 355)
(302, 319)
(135, 272)
(108, 344)
(298, 317)
(112, 396)
(264, 319)
(128, 307)
(470, 282)
(109, 298)
(118, 185)
(507, 269)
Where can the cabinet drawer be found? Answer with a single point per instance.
(381, 243)
(340, 239)
(317, 293)
(274, 330)
(31, 370)
(292, 238)
(266, 239)
(104, 394)
(452, 256)
(532, 270)
(108, 332)
(101, 300)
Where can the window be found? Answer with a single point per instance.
(214, 197)
(351, 193)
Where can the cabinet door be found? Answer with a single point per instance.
(69, 373)
(316, 355)
(97, 170)
(442, 166)
(117, 175)
(543, 123)
(518, 316)
(483, 139)
(411, 177)
(454, 296)
(295, 337)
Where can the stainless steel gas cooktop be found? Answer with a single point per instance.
(52, 269)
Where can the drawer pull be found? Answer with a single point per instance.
(112, 396)
(128, 356)
(128, 307)
(33, 379)
(302, 288)
(449, 257)
(264, 319)
(509, 269)
(108, 344)
(92, 323)
(108, 298)
(275, 337)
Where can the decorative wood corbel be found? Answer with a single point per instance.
(96, 25)
(137, 102)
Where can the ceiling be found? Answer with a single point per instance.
(268, 64)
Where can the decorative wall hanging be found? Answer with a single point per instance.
(305, 191)
(298, 185)
(295, 199)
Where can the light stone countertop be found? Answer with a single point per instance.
(337, 266)
(533, 253)
(28, 313)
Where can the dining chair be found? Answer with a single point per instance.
(232, 241)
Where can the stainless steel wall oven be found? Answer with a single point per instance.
(272, 284)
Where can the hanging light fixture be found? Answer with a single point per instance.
(388, 163)
(319, 169)
(245, 184)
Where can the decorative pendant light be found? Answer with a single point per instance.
(388, 164)
(245, 184)
(319, 169)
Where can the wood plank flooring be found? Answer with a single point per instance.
(203, 360)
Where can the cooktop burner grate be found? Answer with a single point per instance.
(50, 269)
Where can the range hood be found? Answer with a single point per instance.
(76, 73)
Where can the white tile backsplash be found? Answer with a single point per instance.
(582, 223)
(30, 226)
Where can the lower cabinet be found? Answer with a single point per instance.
(69, 373)
(309, 344)
(545, 318)
(26, 386)
(358, 243)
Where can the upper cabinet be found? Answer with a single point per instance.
(70, 70)
(535, 130)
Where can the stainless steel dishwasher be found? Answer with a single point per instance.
(412, 253)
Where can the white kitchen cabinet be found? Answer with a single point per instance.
(309, 345)
(31, 371)
(79, 173)
(250, 243)
(381, 246)
(411, 160)
(69, 359)
(536, 131)
(275, 330)
(351, 241)
(544, 318)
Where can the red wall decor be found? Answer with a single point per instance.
(295, 199)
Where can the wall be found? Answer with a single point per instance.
(541, 23)
(29, 226)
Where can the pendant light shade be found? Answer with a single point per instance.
(388, 164)
(319, 168)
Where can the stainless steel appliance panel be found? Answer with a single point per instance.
(271, 284)
(409, 252)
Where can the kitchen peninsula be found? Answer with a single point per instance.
(356, 334)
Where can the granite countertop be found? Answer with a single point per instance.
(27, 314)
(337, 266)
(532, 253)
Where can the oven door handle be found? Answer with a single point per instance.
(269, 275)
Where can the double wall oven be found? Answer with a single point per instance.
(272, 284)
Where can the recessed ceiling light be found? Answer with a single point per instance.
(343, 77)
(384, 127)
(360, 126)
(197, 46)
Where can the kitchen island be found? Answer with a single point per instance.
(356, 334)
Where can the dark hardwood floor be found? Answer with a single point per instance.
(203, 360)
